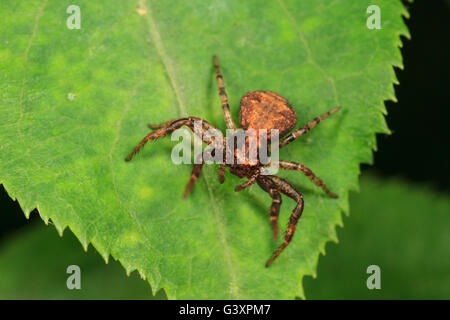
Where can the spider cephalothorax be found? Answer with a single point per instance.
(259, 110)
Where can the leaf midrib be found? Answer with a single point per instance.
(309, 56)
(155, 36)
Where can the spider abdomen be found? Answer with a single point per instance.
(266, 110)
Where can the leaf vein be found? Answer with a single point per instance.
(308, 51)
(163, 55)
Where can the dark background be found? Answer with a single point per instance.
(418, 149)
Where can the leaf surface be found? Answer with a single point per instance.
(75, 102)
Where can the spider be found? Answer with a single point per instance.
(258, 110)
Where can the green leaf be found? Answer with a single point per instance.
(74, 103)
(400, 227)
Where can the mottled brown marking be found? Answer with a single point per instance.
(266, 110)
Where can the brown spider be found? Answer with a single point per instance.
(258, 110)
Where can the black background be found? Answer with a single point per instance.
(418, 149)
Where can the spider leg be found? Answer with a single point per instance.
(289, 165)
(222, 173)
(275, 211)
(223, 97)
(196, 170)
(247, 183)
(161, 125)
(310, 125)
(270, 188)
(286, 188)
(169, 127)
